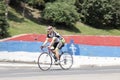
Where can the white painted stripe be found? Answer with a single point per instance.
(78, 60)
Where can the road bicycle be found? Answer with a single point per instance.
(46, 59)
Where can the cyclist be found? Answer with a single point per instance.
(56, 43)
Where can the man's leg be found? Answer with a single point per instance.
(58, 47)
(57, 53)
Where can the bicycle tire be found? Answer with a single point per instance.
(44, 61)
(66, 60)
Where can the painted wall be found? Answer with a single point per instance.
(101, 46)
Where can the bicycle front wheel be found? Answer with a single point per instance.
(66, 60)
(44, 61)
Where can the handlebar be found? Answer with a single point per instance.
(49, 49)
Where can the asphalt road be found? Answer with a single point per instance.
(83, 73)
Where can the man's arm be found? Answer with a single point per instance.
(45, 42)
(53, 40)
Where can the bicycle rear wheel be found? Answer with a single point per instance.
(44, 61)
(66, 60)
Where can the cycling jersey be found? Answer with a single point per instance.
(57, 35)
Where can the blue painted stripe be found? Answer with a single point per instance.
(20, 46)
(102, 51)
(76, 49)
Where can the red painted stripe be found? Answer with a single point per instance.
(97, 40)
(79, 39)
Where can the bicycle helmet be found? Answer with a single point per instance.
(49, 27)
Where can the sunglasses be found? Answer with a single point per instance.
(49, 29)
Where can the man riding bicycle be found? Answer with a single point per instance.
(56, 43)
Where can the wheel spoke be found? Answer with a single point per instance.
(66, 61)
(44, 61)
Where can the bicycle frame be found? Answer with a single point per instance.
(49, 51)
(66, 60)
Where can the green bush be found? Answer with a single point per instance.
(72, 2)
(61, 12)
(101, 13)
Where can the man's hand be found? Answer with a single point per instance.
(41, 47)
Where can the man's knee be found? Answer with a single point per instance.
(56, 49)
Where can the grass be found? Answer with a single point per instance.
(87, 30)
(25, 27)
(18, 25)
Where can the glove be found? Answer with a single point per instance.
(42, 47)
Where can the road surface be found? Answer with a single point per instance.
(83, 73)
